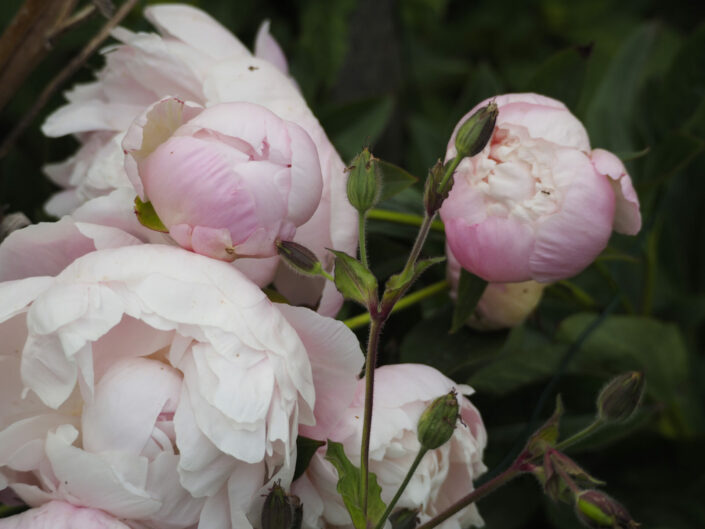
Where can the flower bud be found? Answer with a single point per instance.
(281, 510)
(354, 281)
(597, 510)
(477, 130)
(437, 422)
(433, 194)
(620, 398)
(364, 182)
(299, 258)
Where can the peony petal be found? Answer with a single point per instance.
(571, 239)
(145, 387)
(336, 361)
(627, 217)
(61, 515)
(190, 25)
(481, 247)
(267, 48)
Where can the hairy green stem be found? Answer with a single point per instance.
(408, 219)
(418, 243)
(362, 239)
(405, 302)
(370, 362)
(594, 426)
(402, 487)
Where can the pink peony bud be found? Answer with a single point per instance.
(536, 203)
(227, 181)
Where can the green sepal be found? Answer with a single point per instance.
(470, 290)
(397, 284)
(353, 280)
(349, 488)
(148, 217)
(305, 450)
(547, 435)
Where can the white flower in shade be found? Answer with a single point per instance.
(160, 386)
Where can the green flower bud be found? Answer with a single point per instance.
(364, 181)
(354, 281)
(433, 194)
(621, 397)
(597, 510)
(477, 130)
(281, 510)
(437, 422)
(299, 258)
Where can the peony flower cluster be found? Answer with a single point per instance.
(196, 60)
(147, 380)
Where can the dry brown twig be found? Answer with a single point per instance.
(20, 33)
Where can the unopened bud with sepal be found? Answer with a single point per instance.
(597, 510)
(299, 258)
(433, 194)
(476, 132)
(281, 510)
(354, 281)
(621, 397)
(364, 181)
(437, 422)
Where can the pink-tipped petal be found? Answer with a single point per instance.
(627, 216)
(482, 247)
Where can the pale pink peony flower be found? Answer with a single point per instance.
(402, 393)
(502, 305)
(228, 181)
(196, 59)
(536, 203)
(61, 515)
(160, 386)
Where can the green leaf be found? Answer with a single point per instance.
(562, 76)
(358, 124)
(349, 480)
(528, 357)
(324, 37)
(398, 283)
(353, 280)
(305, 450)
(609, 116)
(470, 289)
(632, 342)
(148, 217)
(394, 180)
